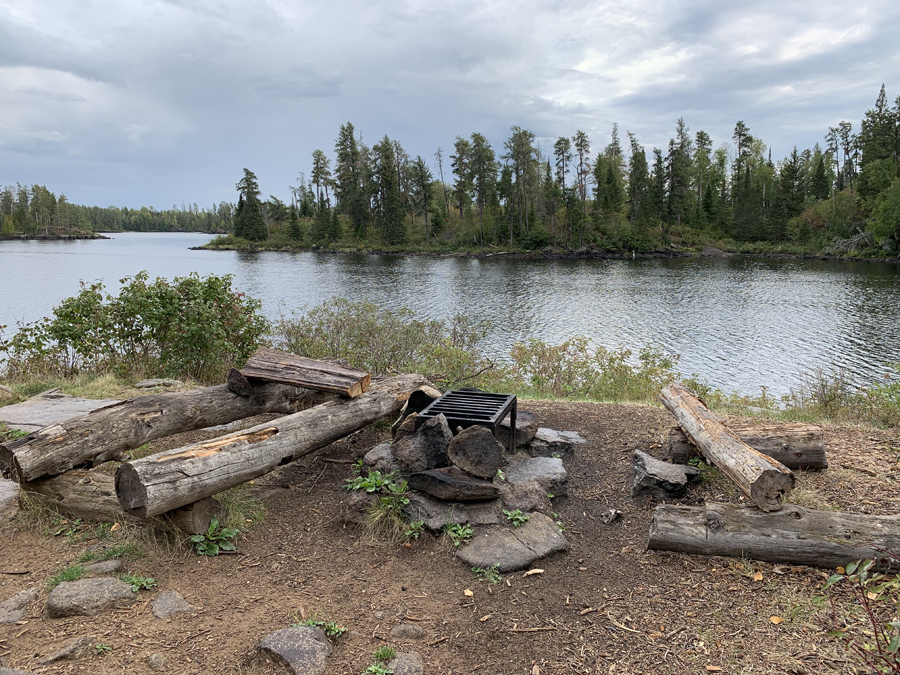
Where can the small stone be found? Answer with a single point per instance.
(303, 649)
(407, 631)
(661, 479)
(13, 671)
(9, 500)
(477, 452)
(526, 428)
(549, 472)
(550, 443)
(157, 661)
(158, 382)
(15, 608)
(407, 663)
(170, 603)
(404, 427)
(378, 615)
(358, 505)
(436, 513)
(87, 597)
(453, 484)
(426, 449)
(104, 567)
(380, 458)
(514, 549)
(70, 650)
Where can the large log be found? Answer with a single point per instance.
(793, 535)
(81, 494)
(760, 477)
(109, 432)
(274, 366)
(162, 482)
(797, 446)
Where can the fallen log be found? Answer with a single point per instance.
(162, 482)
(109, 432)
(81, 494)
(760, 477)
(793, 535)
(797, 446)
(274, 366)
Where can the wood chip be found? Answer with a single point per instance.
(485, 617)
(534, 571)
(468, 593)
(617, 624)
(587, 611)
(438, 641)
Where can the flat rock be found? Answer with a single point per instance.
(9, 500)
(514, 549)
(158, 382)
(549, 472)
(104, 567)
(407, 631)
(426, 449)
(13, 671)
(551, 443)
(15, 608)
(526, 428)
(380, 458)
(407, 663)
(437, 513)
(303, 649)
(87, 597)
(528, 495)
(660, 479)
(357, 507)
(50, 407)
(477, 452)
(157, 662)
(71, 649)
(170, 603)
(453, 484)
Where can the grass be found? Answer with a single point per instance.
(241, 507)
(127, 550)
(70, 573)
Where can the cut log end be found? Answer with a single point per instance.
(770, 489)
(238, 384)
(131, 493)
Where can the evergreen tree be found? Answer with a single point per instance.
(638, 182)
(248, 221)
(483, 172)
(390, 212)
(461, 164)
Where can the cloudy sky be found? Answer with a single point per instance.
(152, 102)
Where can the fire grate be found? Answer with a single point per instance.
(466, 408)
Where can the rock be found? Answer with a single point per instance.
(9, 500)
(87, 597)
(380, 458)
(303, 649)
(104, 567)
(549, 472)
(407, 663)
(170, 603)
(158, 382)
(437, 513)
(712, 252)
(526, 428)
(403, 427)
(157, 662)
(660, 479)
(70, 650)
(477, 452)
(453, 484)
(550, 443)
(407, 631)
(514, 549)
(357, 507)
(529, 495)
(15, 608)
(426, 449)
(13, 671)
(420, 399)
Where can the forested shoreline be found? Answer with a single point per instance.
(840, 198)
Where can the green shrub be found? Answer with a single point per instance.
(215, 539)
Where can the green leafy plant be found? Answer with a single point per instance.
(102, 648)
(7, 434)
(385, 653)
(490, 575)
(215, 539)
(560, 525)
(501, 475)
(459, 533)
(70, 573)
(516, 517)
(138, 583)
(374, 481)
(330, 628)
(378, 669)
(414, 530)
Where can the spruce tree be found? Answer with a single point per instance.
(248, 220)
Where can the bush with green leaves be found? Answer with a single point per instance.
(138, 582)
(215, 539)
(190, 327)
(330, 628)
(490, 574)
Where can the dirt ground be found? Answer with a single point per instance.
(605, 607)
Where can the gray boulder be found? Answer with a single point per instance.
(660, 479)
(426, 449)
(549, 472)
(403, 427)
(9, 500)
(357, 507)
(514, 549)
(87, 597)
(406, 663)
(104, 567)
(15, 608)
(526, 428)
(529, 495)
(437, 513)
(303, 649)
(170, 603)
(477, 452)
(71, 650)
(550, 443)
(407, 631)
(13, 671)
(380, 458)
(453, 484)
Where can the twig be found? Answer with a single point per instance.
(438, 641)
(616, 623)
(338, 461)
(316, 481)
(532, 630)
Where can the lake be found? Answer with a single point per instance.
(739, 323)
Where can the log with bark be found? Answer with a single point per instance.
(162, 482)
(81, 494)
(273, 366)
(797, 446)
(758, 476)
(793, 535)
(109, 432)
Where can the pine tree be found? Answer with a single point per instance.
(248, 221)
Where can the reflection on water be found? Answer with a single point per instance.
(738, 323)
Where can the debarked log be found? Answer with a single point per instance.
(162, 482)
(81, 494)
(109, 432)
(797, 446)
(758, 476)
(270, 365)
(794, 535)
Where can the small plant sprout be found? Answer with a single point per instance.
(138, 583)
(414, 530)
(516, 517)
(216, 539)
(501, 475)
(490, 575)
(458, 533)
(378, 669)
(385, 653)
(330, 628)
(550, 496)
(102, 648)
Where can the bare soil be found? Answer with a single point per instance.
(607, 606)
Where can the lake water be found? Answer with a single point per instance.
(738, 323)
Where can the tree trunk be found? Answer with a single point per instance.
(760, 477)
(165, 481)
(794, 535)
(274, 366)
(109, 432)
(797, 446)
(81, 494)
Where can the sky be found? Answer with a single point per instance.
(164, 102)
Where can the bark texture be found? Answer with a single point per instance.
(81, 494)
(273, 366)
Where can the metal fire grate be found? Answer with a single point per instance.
(464, 408)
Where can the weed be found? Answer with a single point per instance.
(415, 530)
(385, 653)
(516, 517)
(459, 533)
(242, 508)
(70, 573)
(7, 434)
(501, 475)
(102, 648)
(215, 539)
(550, 496)
(64, 527)
(125, 550)
(386, 514)
(330, 628)
(560, 525)
(378, 669)
(138, 583)
(375, 481)
(490, 575)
